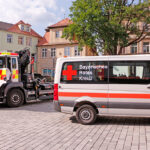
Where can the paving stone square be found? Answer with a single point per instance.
(38, 126)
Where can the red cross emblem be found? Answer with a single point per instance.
(69, 72)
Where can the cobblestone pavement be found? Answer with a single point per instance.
(38, 127)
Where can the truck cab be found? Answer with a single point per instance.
(8, 67)
(17, 83)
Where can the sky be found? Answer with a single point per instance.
(39, 13)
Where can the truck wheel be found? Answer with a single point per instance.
(15, 98)
(86, 114)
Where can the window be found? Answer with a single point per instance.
(28, 29)
(134, 48)
(57, 34)
(48, 72)
(45, 72)
(20, 40)
(84, 72)
(53, 52)
(22, 27)
(129, 72)
(76, 51)
(28, 41)
(133, 25)
(2, 62)
(9, 38)
(10, 51)
(146, 47)
(67, 51)
(44, 52)
(14, 63)
(145, 26)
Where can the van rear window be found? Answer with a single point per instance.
(84, 72)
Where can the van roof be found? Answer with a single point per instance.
(112, 57)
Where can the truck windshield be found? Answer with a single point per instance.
(2, 62)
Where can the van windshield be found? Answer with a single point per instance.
(2, 62)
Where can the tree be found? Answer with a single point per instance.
(108, 24)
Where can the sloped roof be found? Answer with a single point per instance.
(5, 26)
(44, 40)
(21, 22)
(63, 23)
(15, 28)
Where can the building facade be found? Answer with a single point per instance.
(53, 46)
(15, 37)
(142, 47)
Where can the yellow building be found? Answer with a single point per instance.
(52, 46)
(15, 37)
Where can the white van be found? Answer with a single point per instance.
(105, 85)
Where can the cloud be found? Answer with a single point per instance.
(39, 13)
(31, 11)
(62, 10)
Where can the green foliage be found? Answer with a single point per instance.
(108, 24)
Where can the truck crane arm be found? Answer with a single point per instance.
(24, 59)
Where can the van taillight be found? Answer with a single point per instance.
(55, 92)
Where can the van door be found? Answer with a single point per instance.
(84, 81)
(14, 69)
(129, 89)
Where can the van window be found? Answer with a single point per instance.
(129, 72)
(84, 72)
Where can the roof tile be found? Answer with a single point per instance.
(15, 28)
(62, 23)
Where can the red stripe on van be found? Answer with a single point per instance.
(125, 95)
(105, 95)
(70, 94)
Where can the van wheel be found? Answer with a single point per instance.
(86, 114)
(15, 98)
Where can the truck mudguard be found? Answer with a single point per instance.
(12, 85)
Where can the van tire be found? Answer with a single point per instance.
(86, 114)
(15, 98)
